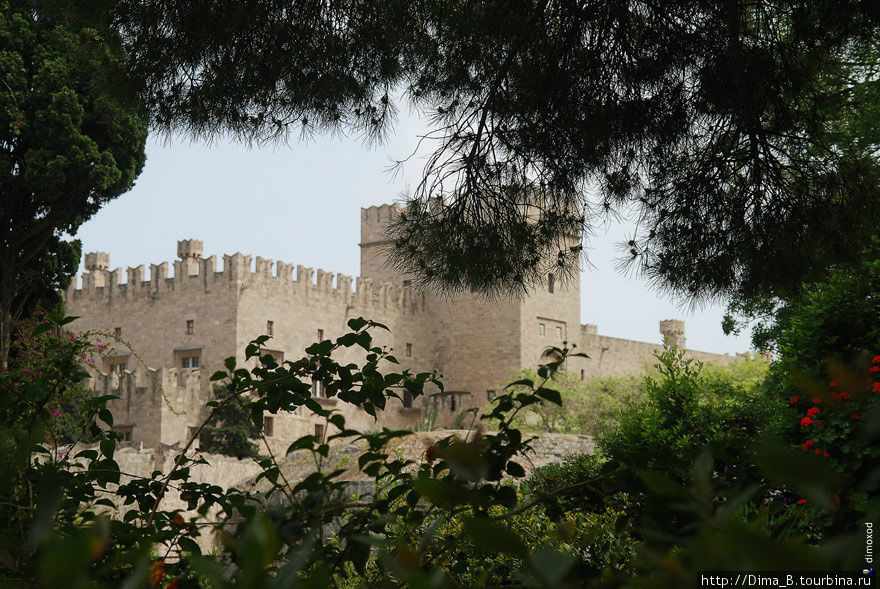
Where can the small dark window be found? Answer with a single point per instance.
(190, 362)
(320, 335)
(408, 350)
(124, 432)
(407, 399)
(551, 282)
(582, 374)
(269, 426)
(452, 403)
(319, 432)
(117, 332)
(190, 326)
(541, 329)
(407, 283)
(270, 328)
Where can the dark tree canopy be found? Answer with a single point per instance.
(743, 135)
(67, 146)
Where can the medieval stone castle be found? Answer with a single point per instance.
(183, 326)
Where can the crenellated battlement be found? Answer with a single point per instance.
(374, 221)
(194, 274)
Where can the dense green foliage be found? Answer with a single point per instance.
(594, 406)
(742, 133)
(230, 430)
(698, 475)
(68, 144)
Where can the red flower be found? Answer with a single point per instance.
(806, 445)
(855, 416)
(812, 411)
(817, 400)
(875, 369)
(793, 400)
(157, 573)
(844, 396)
(804, 515)
(877, 387)
(431, 453)
(173, 585)
(833, 383)
(825, 453)
(876, 360)
(818, 451)
(806, 421)
(802, 502)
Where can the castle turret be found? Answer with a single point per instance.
(375, 243)
(189, 248)
(96, 264)
(673, 332)
(190, 252)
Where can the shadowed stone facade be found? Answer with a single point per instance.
(183, 326)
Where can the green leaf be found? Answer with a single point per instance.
(551, 395)
(106, 416)
(495, 537)
(515, 470)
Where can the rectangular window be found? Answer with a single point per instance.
(125, 432)
(407, 399)
(117, 332)
(320, 335)
(541, 329)
(190, 326)
(452, 404)
(119, 364)
(551, 282)
(318, 388)
(270, 328)
(319, 432)
(407, 283)
(268, 426)
(189, 362)
(558, 333)
(408, 350)
(582, 374)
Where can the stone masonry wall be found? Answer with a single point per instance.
(152, 314)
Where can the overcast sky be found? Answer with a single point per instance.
(301, 204)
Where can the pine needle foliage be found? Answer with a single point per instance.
(742, 134)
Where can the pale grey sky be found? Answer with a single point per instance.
(301, 204)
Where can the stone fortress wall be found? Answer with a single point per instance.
(183, 326)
